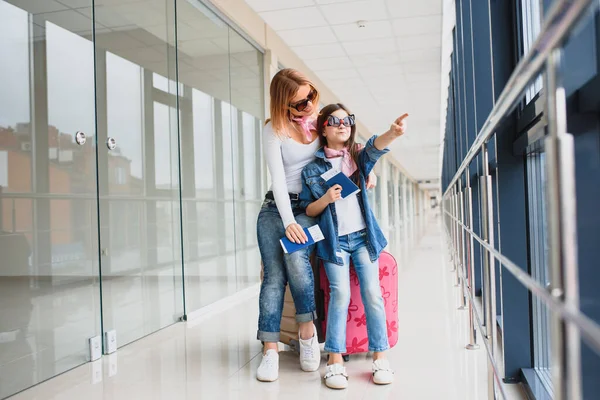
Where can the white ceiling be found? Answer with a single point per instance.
(392, 66)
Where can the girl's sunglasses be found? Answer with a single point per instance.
(332, 120)
(302, 104)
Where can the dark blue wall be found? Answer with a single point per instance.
(473, 89)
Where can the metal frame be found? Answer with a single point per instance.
(568, 323)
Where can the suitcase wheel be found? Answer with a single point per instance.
(295, 346)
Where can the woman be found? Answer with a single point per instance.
(289, 144)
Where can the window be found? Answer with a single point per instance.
(4, 168)
(120, 176)
(124, 111)
(164, 84)
(251, 185)
(391, 197)
(531, 16)
(203, 138)
(229, 132)
(165, 176)
(538, 250)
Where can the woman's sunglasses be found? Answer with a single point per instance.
(332, 120)
(302, 104)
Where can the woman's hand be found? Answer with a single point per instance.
(333, 194)
(371, 180)
(295, 233)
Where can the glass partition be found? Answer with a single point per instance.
(49, 277)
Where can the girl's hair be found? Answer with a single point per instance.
(284, 86)
(353, 147)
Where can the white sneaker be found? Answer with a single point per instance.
(336, 377)
(268, 370)
(382, 373)
(310, 353)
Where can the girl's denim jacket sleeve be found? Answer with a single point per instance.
(314, 187)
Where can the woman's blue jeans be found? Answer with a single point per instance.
(281, 269)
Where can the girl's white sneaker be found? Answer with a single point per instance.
(382, 373)
(336, 377)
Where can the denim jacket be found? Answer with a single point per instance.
(314, 187)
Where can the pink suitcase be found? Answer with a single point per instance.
(357, 340)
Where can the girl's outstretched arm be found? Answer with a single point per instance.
(396, 130)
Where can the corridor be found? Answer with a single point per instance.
(216, 356)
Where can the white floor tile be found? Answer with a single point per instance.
(217, 357)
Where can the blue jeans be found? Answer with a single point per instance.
(355, 245)
(280, 269)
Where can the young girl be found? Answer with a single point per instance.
(350, 231)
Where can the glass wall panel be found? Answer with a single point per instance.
(247, 100)
(221, 122)
(49, 286)
(136, 97)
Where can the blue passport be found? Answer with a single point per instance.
(313, 234)
(336, 177)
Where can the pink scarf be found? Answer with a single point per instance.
(348, 165)
(307, 124)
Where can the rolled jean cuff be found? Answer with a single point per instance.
(268, 337)
(334, 351)
(379, 349)
(307, 317)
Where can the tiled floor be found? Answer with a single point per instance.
(216, 356)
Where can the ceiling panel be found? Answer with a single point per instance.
(199, 48)
(369, 10)
(411, 8)
(297, 18)
(422, 67)
(431, 54)
(381, 71)
(423, 85)
(304, 37)
(326, 64)
(418, 25)
(333, 1)
(423, 77)
(352, 87)
(366, 47)
(339, 74)
(419, 42)
(372, 30)
(70, 20)
(72, 3)
(271, 5)
(117, 41)
(363, 60)
(38, 7)
(319, 51)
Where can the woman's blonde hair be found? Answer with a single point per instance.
(284, 86)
